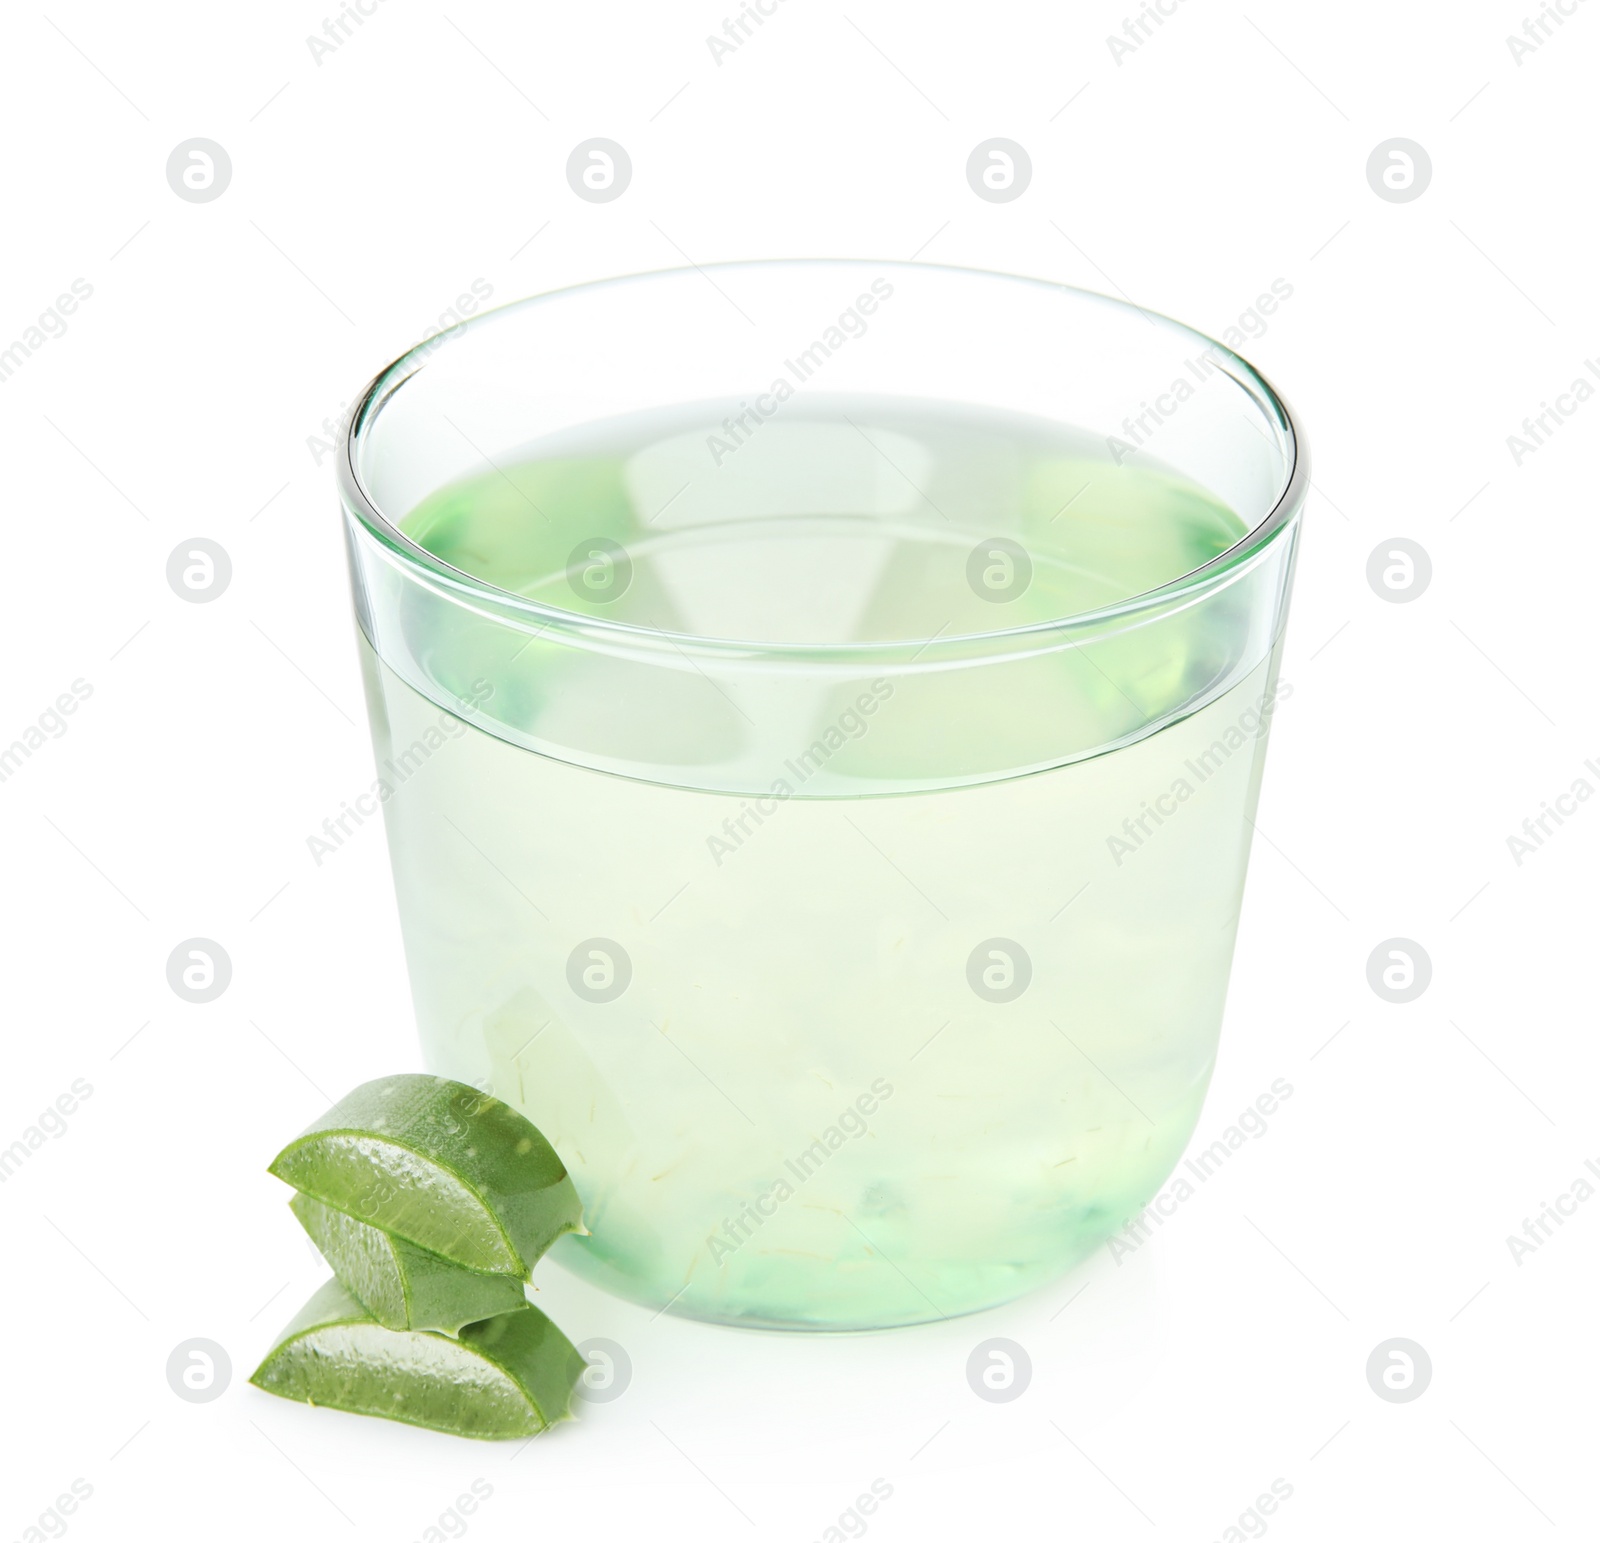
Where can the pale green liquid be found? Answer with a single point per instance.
(792, 956)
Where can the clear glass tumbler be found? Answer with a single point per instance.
(819, 712)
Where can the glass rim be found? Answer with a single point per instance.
(1213, 574)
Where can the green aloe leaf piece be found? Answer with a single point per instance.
(438, 1164)
(401, 1285)
(510, 1375)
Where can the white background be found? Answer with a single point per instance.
(1169, 1389)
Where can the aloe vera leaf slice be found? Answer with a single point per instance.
(401, 1285)
(441, 1165)
(510, 1375)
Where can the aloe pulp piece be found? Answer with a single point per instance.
(510, 1375)
(401, 1285)
(441, 1165)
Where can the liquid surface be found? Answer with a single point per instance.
(834, 521)
(815, 1060)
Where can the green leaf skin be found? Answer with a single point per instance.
(507, 1376)
(400, 1285)
(441, 1165)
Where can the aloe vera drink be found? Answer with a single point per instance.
(845, 1000)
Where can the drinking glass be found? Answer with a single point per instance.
(819, 814)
